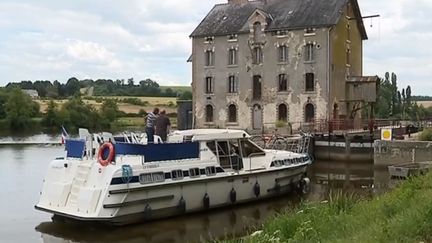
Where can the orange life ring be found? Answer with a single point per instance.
(110, 157)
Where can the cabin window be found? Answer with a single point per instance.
(232, 113)
(145, 178)
(310, 82)
(309, 52)
(194, 172)
(209, 113)
(283, 82)
(210, 170)
(232, 56)
(212, 147)
(152, 177)
(177, 174)
(158, 177)
(283, 53)
(250, 150)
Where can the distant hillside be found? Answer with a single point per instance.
(177, 89)
(422, 98)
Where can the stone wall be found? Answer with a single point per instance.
(397, 152)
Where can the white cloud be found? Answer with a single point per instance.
(51, 39)
(89, 52)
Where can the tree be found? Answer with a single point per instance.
(109, 110)
(51, 118)
(72, 87)
(19, 108)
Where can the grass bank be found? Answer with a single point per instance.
(403, 215)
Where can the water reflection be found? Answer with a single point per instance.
(217, 224)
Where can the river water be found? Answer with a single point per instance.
(23, 168)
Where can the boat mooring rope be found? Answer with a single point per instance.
(127, 173)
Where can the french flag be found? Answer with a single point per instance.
(64, 134)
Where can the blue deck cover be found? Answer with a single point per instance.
(75, 148)
(160, 152)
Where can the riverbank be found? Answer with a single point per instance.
(403, 215)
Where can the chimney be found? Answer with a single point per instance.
(237, 1)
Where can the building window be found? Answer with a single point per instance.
(257, 31)
(209, 58)
(310, 82)
(283, 82)
(232, 56)
(310, 31)
(309, 113)
(257, 55)
(232, 84)
(209, 85)
(232, 113)
(208, 40)
(209, 113)
(232, 38)
(283, 53)
(309, 52)
(256, 87)
(283, 113)
(348, 56)
(348, 32)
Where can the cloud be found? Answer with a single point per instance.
(55, 40)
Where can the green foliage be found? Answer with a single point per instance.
(102, 87)
(76, 114)
(186, 95)
(19, 110)
(280, 124)
(426, 135)
(51, 118)
(109, 110)
(394, 103)
(403, 215)
(135, 101)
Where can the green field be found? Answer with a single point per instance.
(166, 103)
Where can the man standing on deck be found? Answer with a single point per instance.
(150, 127)
(163, 125)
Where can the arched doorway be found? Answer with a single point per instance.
(309, 113)
(209, 113)
(257, 117)
(232, 113)
(282, 113)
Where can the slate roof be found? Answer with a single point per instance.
(225, 19)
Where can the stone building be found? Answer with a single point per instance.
(259, 63)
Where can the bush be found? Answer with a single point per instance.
(426, 135)
(280, 124)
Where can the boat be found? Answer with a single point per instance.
(121, 183)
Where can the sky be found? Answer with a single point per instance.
(56, 40)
